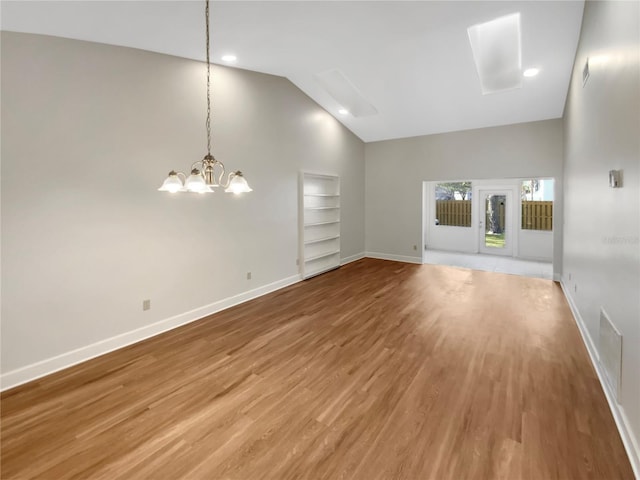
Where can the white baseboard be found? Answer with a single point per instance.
(557, 277)
(45, 367)
(352, 258)
(534, 258)
(631, 444)
(453, 250)
(395, 258)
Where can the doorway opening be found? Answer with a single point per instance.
(496, 218)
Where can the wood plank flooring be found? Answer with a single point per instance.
(379, 370)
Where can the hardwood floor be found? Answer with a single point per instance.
(379, 370)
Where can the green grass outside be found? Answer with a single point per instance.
(495, 240)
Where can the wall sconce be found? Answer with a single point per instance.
(615, 178)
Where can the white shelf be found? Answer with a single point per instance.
(319, 223)
(322, 255)
(323, 239)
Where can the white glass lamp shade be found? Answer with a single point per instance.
(172, 183)
(196, 183)
(238, 184)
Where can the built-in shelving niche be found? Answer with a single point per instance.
(319, 223)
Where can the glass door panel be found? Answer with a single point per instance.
(494, 229)
(495, 222)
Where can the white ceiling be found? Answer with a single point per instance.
(411, 60)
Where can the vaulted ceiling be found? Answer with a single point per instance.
(410, 61)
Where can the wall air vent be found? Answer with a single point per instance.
(610, 352)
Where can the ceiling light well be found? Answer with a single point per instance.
(497, 51)
(345, 93)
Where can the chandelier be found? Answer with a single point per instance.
(208, 173)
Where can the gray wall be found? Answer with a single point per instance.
(89, 132)
(395, 170)
(602, 224)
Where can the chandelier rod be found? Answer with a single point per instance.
(208, 83)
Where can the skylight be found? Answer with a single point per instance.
(497, 51)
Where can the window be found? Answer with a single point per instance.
(537, 204)
(453, 204)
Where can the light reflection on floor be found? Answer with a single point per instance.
(491, 263)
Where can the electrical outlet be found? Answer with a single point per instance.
(575, 288)
(146, 304)
(569, 277)
(415, 247)
(248, 275)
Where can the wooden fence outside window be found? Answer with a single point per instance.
(454, 213)
(536, 215)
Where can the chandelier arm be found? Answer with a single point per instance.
(229, 178)
(199, 165)
(222, 170)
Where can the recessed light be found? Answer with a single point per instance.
(229, 58)
(531, 72)
(343, 111)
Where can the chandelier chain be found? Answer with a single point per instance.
(208, 83)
